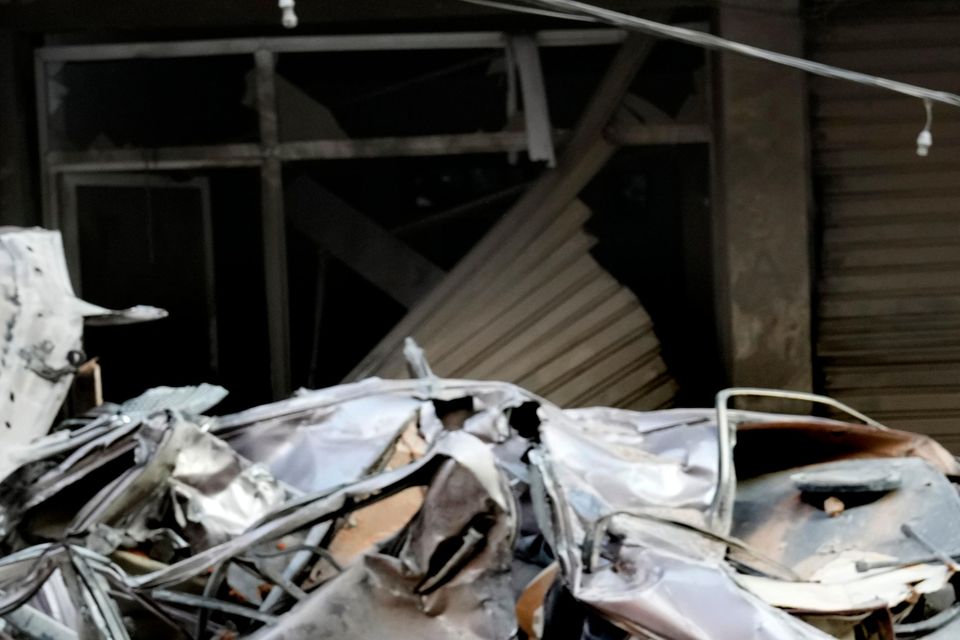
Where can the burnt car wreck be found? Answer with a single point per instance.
(439, 508)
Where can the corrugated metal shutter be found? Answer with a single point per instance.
(889, 288)
(529, 304)
(545, 315)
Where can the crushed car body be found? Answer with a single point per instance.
(437, 508)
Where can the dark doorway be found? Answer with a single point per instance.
(148, 240)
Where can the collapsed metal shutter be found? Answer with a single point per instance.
(545, 315)
(889, 286)
(529, 304)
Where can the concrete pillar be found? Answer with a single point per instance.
(763, 227)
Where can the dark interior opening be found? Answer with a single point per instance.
(650, 206)
(651, 217)
(147, 244)
(155, 103)
(399, 93)
(438, 206)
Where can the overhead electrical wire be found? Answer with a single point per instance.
(563, 15)
(575, 10)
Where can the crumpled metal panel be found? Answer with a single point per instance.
(678, 595)
(40, 346)
(350, 429)
(626, 460)
(447, 576)
(308, 510)
(218, 491)
(215, 493)
(193, 400)
(644, 569)
(352, 436)
(623, 499)
(41, 341)
(88, 577)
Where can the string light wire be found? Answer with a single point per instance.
(575, 10)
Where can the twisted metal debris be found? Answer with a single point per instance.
(436, 508)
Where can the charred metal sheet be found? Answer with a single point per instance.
(782, 443)
(775, 516)
(434, 508)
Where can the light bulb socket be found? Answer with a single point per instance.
(289, 18)
(924, 142)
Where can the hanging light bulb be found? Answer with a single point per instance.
(289, 17)
(925, 139)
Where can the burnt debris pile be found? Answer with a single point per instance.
(437, 508)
